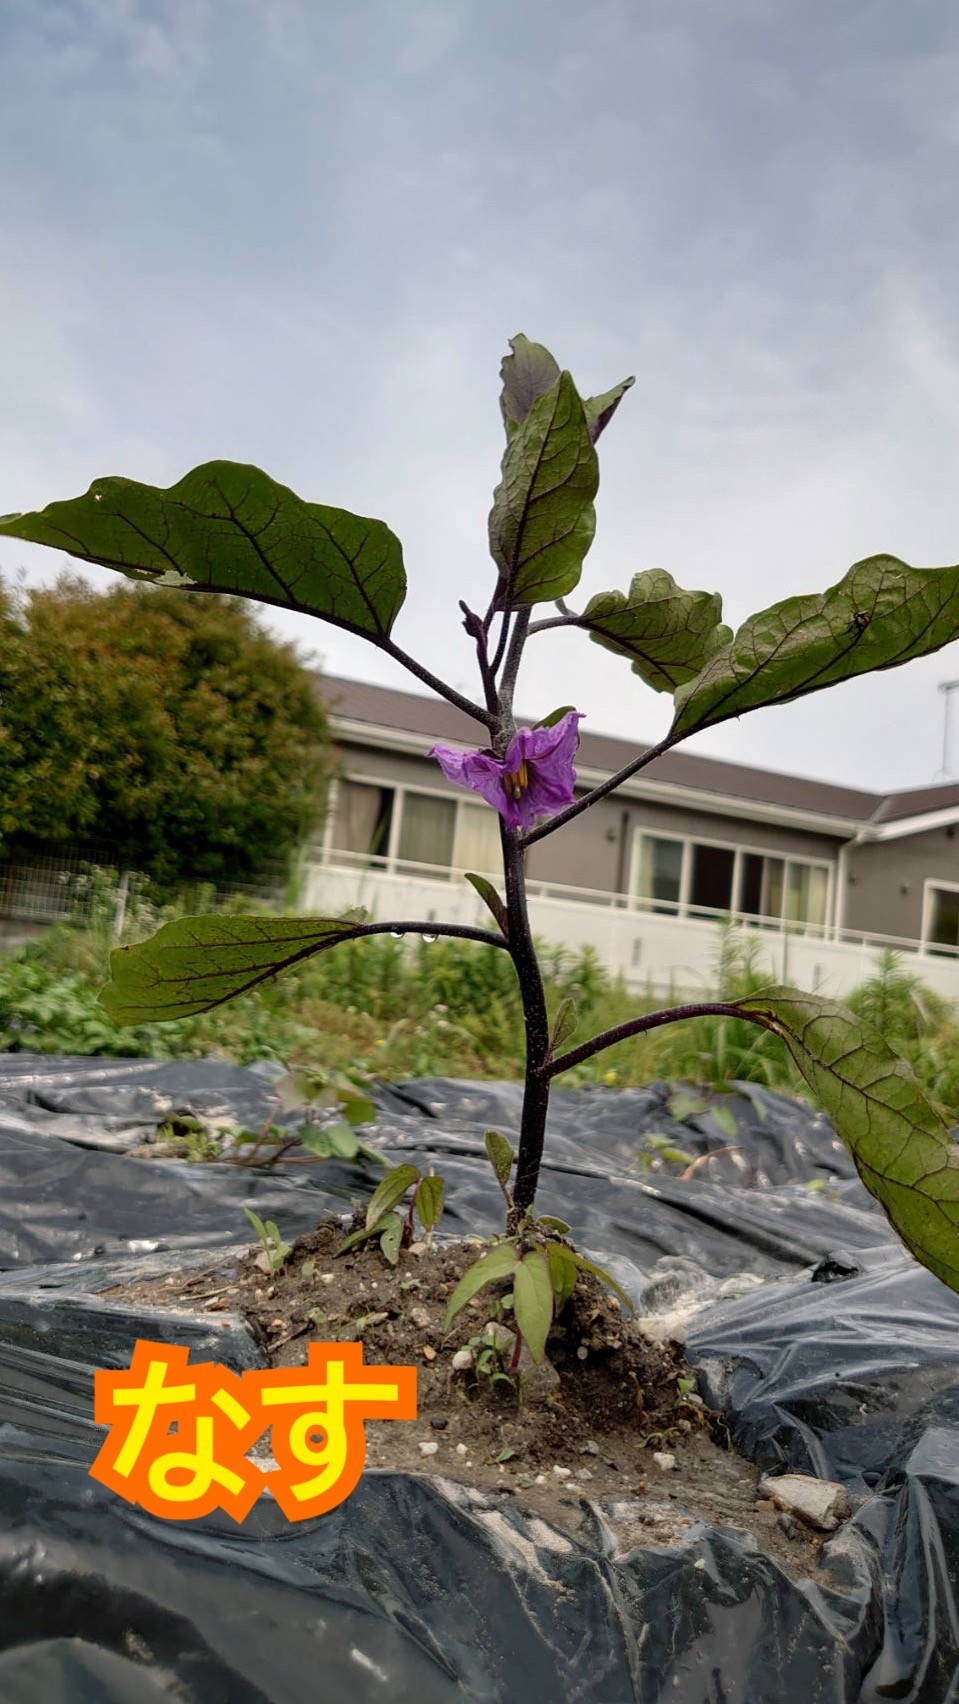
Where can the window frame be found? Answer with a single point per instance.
(389, 860)
(926, 944)
(740, 850)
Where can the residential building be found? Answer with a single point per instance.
(823, 874)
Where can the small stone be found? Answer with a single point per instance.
(462, 1361)
(326, 1277)
(499, 1336)
(461, 1449)
(589, 1448)
(821, 1503)
(562, 1472)
(540, 1479)
(440, 1423)
(429, 1353)
(417, 1249)
(420, 1317)
(664, 1461)
(277, 1324)
(583, 1473)
(788, 1525)
(429, 1449)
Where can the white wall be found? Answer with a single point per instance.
(663, 953)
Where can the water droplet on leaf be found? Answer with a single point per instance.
(429, 939)
(397, 934)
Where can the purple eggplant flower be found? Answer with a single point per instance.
(535, 779)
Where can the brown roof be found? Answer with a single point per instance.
(434, 719)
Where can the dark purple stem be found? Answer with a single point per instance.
(637, 1026)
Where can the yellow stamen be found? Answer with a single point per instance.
(517, 783)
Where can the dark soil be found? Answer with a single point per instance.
(590, 1424)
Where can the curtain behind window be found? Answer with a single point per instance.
(426, 829)
(478, 845)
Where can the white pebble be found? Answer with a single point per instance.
(461, 1449)
(562, 1472)
(429, 1449)
(462, 1360)
(664, 1461)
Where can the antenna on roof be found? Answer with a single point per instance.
(946, 687)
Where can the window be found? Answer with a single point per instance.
(761, 887)
(702, 878)
(711, 875)
(806, 886)
(660, 871)
(942, 925)
(427, 826)
(477, 845)
(362, 818)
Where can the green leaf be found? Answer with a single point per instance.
(723, 1116)
(528, 373)
(881, 614)
(357, 1109)
(343, 1143)
(902, 1149)
(555, 716)
(500, 1155)
(600, 409)
(366, 1234)
(498, 1262)
(552, 1224)
(682, 1105)
(533, 1305)
(391, 1238)
(563, 1272)
(668, 635)
(564, 1025)
(197, 963)
(542, 521)
(257, 1224)
(227, 527)
(491, 898)
(429, 1202)
(391, 1190)
(604, 1277)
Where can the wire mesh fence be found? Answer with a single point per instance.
(84, 888)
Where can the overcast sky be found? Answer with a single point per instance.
(300, 233)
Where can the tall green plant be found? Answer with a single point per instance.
(233, 530)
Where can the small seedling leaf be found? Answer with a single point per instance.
(366, 1234)
(500, 1261)
(551, 1224)
(429, 1202)
(563, 1273)
(533, 1306)
(500, 1155)
(491, 899)
(564, 1024)
(392, 1189)
(391, 1238)
(606, 1278)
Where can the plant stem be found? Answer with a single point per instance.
(536, 1022)
(637, 1026)
(459, 931)
(486, 717)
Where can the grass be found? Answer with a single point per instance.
(397, 1009)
